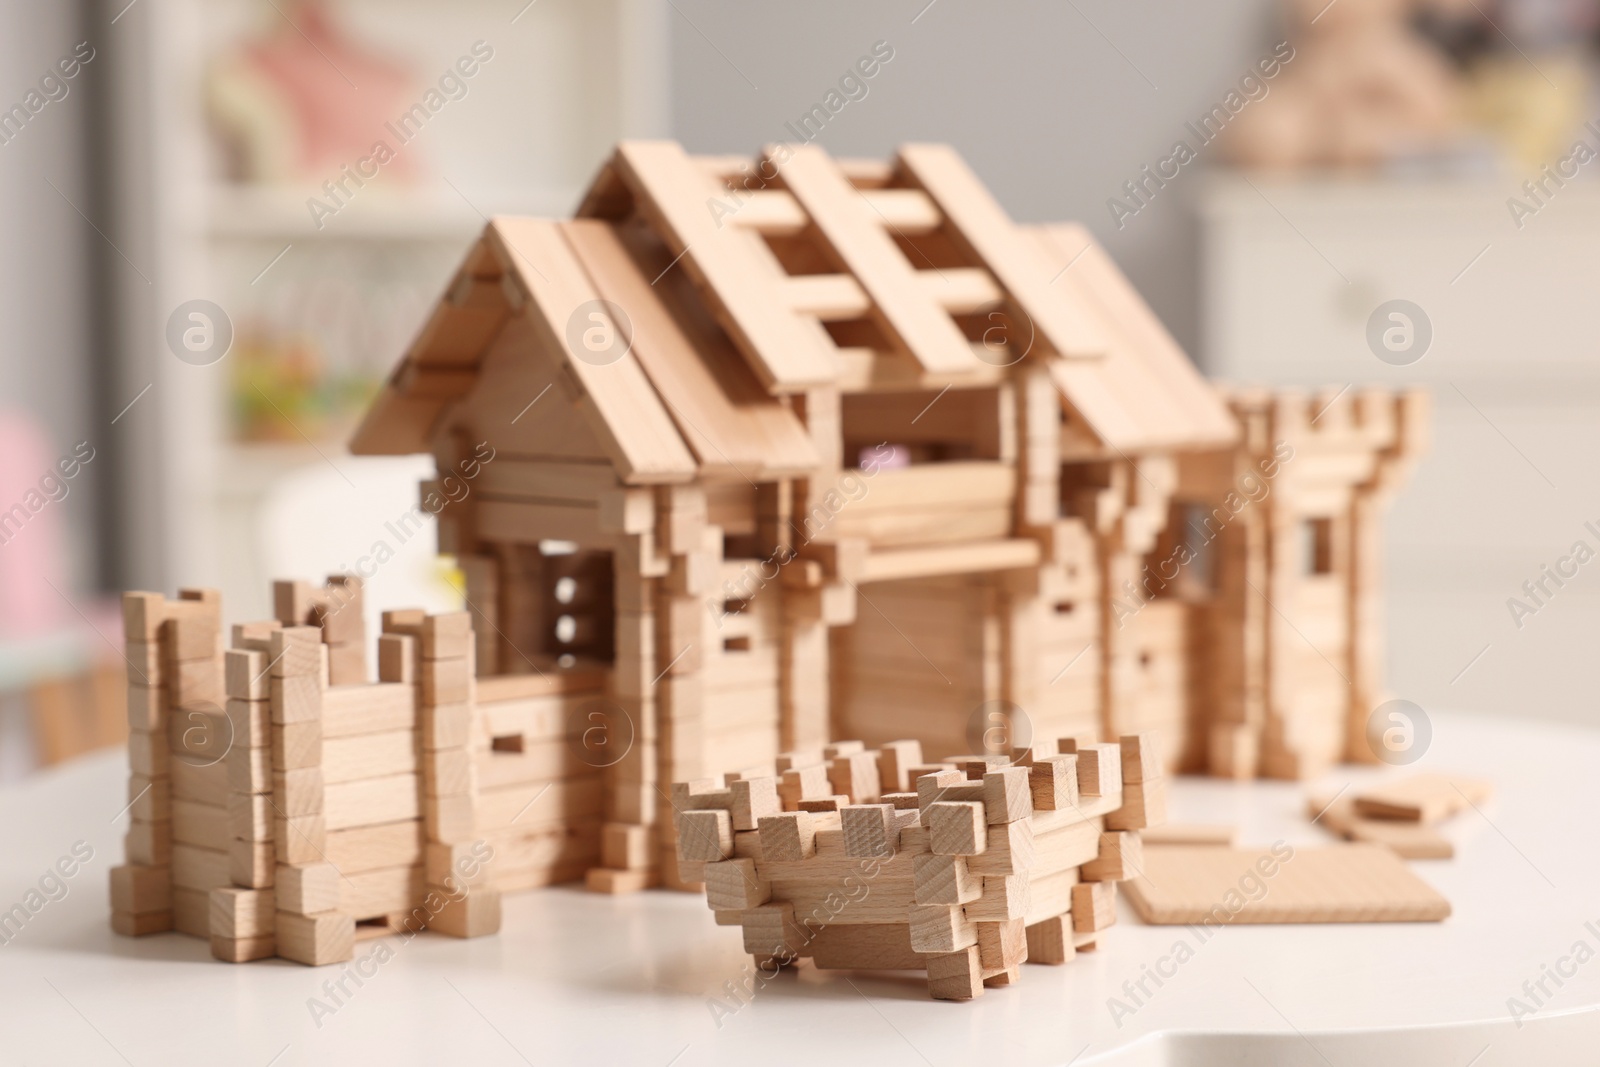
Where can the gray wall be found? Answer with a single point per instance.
(47, 268)
(1054, 104)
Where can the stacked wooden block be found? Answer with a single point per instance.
(177, 788)
(243, 915)
(309, 926)
(446, 699)
(964, 869)
(337, 611)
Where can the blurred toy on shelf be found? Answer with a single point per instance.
(303, 99)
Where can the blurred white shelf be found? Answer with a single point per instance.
(256, 212)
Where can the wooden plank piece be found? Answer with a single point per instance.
(1340, 883)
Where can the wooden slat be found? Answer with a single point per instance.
(1007, 554)
(720, 409)
(976, 220)
(829, 297)
(776, 212)
(1181, 401)
(626, 414)
(856, 238)
(784, 351)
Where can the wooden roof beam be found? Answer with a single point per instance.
(978, 223)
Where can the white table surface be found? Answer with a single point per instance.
(574, 977)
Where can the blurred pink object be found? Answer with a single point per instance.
(306, 100)
(32, 549)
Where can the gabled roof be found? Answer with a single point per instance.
(1145, 392)
(747, 281)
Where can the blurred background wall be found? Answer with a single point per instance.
(181, 161)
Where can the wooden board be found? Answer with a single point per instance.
(1340, 883)
(1425, 798)
(1413, 841)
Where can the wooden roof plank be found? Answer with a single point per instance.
(760, 437)
(637, 431)
(856, 238)
(673, 192)
(1163, 392)
(976, 220)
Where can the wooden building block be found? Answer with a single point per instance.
(1425, 798)
(300, 839)
(474, 914)
(1121, 858)
(1002, 945)
(787, 837)
(252, 864)
(705, 836)
(1143, 804)
(856, 775)
(1053, 783)
(1094, 906)
(955, 975)
(1004, 897)
(244, 949)
(818, 805)
(315, 939)
(733, 885)
(296, 652)
(140, 923)
(957, 828)
(803, 783)
(446, 636)
(242, 913)
(895, 762)
(245, 674)
(1007, 795)
(626, 847)
(1099, 768)
(944, 880)
(869, 830)
(752, 800)
(952, 785)
(1141, 756)
(1008, 849)
(1050, 940)
(297, 745)
(1411, 840)
(141, 889)
(397, 658)
(771, 930)
(940, 928)
(309, 889)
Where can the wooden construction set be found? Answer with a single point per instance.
(965, 869)
(767, 453)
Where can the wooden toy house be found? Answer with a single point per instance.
(816, 448)
(752, 455)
